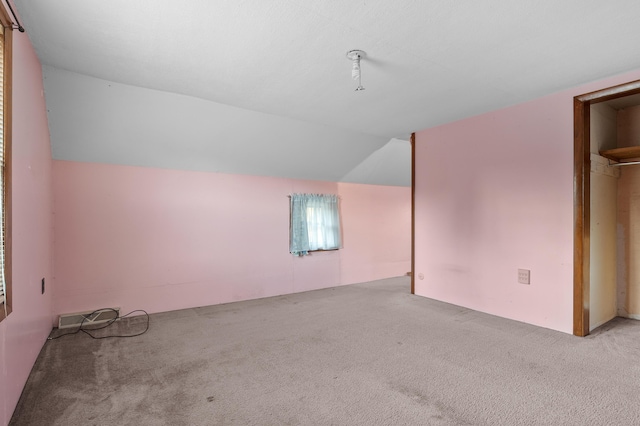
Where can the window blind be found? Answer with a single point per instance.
(2, 172)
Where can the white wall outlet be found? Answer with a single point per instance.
(524, 276)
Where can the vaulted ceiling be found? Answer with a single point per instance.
(428, 63)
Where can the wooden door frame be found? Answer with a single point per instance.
(582, 196)
(413, 213)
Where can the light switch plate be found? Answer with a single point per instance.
(524, 276)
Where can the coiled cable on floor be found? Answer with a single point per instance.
(109, 323)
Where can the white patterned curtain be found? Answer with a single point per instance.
(315, 223)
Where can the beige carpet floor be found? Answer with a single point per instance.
(364, 354)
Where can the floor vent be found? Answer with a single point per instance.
(90, 318)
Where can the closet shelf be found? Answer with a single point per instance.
(622, 153)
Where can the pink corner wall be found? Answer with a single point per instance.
(377, 231)
(23, 333)
(494, 193)
(159, 240)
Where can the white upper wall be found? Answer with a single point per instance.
(390, 165)
(95, 120)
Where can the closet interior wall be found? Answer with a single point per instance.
(628, 218)
(615, 211)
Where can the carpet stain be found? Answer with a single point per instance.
(413, 394)
(536, 368)
(438, 412)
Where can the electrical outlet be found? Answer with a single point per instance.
(43, 286)
(524, 276)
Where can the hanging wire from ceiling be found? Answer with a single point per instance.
(20, 27)
(354, 56)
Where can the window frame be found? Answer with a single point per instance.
(7, 103)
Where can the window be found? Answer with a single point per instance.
(5, 165)
(314, 223)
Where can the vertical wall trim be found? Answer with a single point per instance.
(5, 21)
(581, 219)
(413, 213)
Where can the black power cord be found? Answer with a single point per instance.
(110, 322)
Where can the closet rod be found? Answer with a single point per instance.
(628, 163)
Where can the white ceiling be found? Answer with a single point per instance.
(428, 62)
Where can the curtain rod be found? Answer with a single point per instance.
(20, 27)
(305, 193)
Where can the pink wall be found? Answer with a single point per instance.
(377, 231)
(24, 332)
(494, 193)
(159, 240)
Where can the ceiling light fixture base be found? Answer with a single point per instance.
(356, 54)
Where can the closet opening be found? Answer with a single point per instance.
(606, 206)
